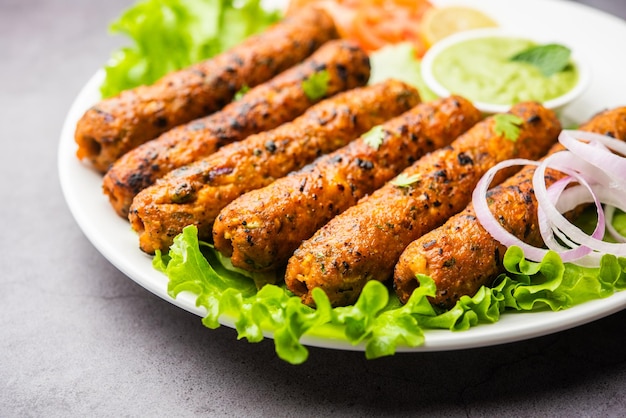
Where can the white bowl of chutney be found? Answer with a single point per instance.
(477, 65)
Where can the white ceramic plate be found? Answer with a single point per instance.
(114, 238)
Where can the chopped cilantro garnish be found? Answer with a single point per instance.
(404, 180)
(316, 86)
(508, 125)
(374, 137)
(242, 91)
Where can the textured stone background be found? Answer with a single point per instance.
(78, 338)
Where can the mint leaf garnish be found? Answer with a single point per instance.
(549, 58)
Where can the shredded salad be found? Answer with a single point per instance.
(377, 23)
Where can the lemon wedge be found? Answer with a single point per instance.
(440, 22)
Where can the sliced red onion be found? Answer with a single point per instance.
(488, 220)
(594, 173)
(583, 137)
(549, 233)
(550, 218)
(611, 200)
(612, 164)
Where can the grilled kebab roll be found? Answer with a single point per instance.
(364, 242)
(461, 256)
(264, 107)
(118, 124)
(194, 194)
(261, 229)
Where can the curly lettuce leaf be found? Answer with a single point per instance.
(377, 320)
(194, 266)
(382, 322)
(168, 35)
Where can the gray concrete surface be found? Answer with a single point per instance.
(79, 339)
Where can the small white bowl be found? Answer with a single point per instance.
(556, 104)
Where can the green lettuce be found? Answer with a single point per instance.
(400, 62)
(619, 222)
(377, 320)
(171, 34)
(168, 35)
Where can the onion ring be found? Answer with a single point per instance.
(594, 171)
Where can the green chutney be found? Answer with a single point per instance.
(480, 70)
